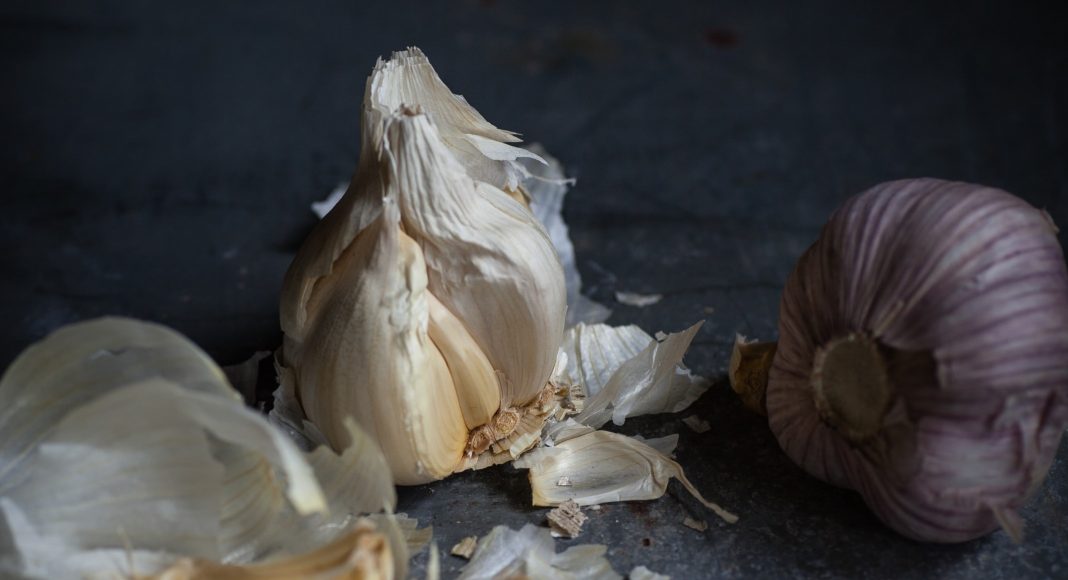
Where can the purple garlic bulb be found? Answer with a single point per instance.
(923, 356)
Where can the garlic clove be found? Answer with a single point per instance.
(477, 387)
(396, 385)
(606, 467)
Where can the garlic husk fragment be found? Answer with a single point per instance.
(531, 553)
(429, 304)
(361, 553)
(643, 573)
(624, 372)
(621, 372)
(638, 300)
(748, 371)
(169, 462)
(923, 356)
(606, 467)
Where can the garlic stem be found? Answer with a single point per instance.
(851, 386)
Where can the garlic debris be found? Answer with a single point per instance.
(429, 304)
(531, 553)
(607, 467)
(923, 356)
(124, 452)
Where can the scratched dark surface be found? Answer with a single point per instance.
(158, 162)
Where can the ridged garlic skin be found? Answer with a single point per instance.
(965, 291)
(428, 299)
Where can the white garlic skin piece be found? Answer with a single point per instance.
(964, 293)
(429, 299)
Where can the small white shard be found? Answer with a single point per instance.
(321, 208)
(643, 573)
(465, 547)
(433, 565)
(638, 300)
(697, 424)
(564, 481)
(695, 524)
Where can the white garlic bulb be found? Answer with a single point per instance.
(429, 304)
(923, 356)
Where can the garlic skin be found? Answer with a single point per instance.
(123, 449)
(923, 356)
(429, 304)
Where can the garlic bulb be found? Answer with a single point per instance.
(923, 356)
(429, 304)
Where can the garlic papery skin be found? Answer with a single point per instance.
(124, 452)
(429, 304)
(923, 356)
(119, 434)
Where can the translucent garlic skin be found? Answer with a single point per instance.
(962, 292)
(429, 299)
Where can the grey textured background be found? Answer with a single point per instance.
(158, 161)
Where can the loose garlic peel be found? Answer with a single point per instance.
(362, 553)
(170, 463)
(923, 356)
(429, 304)
(531, 553)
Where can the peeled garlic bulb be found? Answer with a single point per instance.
(923, 356)
(429, 304)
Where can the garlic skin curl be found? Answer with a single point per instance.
(923, 356)
(429, 304)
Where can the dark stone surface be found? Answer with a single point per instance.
(158, 161)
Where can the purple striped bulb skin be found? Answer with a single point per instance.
(923, 356)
